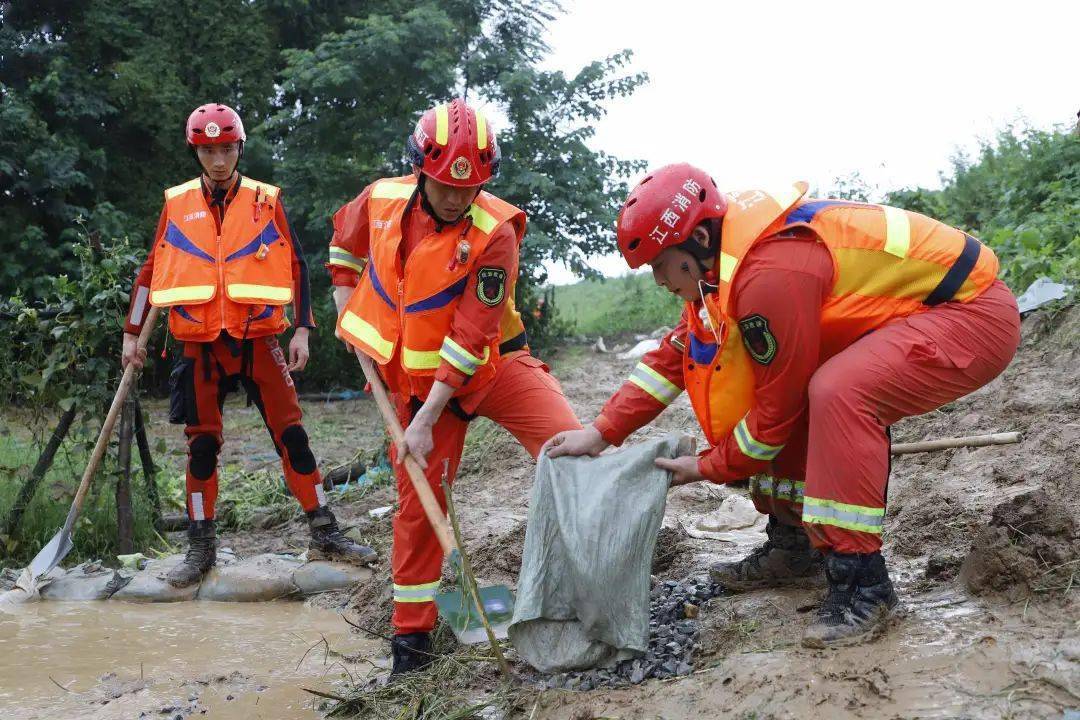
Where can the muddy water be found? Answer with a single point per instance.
(202, 660)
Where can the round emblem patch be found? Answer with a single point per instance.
(759, 340)
(461, 168)
(212, 130)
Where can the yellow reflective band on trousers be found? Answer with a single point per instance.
(751, 447)
(897, 232)
(344, 258)
(461, 358)
(419, 359)
(843, 515)
(781, 488)
(482, 219)
(654, 383)
(389, 190)
(442, 124)
(179, 295)
(269, 293)
(424, 592)
(365, 332)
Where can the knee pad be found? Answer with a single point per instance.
(203, 452)
(295, 440)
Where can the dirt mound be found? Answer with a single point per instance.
(1030, 547)
(372, 601)
(497, 557)
(671, 544)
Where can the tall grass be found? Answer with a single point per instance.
(632, 303)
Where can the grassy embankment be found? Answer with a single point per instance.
(616, 306)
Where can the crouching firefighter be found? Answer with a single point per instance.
(810, 327)
(424, 268)
(225, 263)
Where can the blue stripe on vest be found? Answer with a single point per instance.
(179, 309)
(439, 299)
(805, 213)
(268, 236)
(178, 240)
(378, 286)
(700, 352)
(267, 312)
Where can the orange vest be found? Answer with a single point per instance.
(238, 281)
(406, 312)
(887, 263)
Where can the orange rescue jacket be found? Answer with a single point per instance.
(238, 281)
(888, 263)
(406, 312)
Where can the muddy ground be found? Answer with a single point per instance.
(984, 546)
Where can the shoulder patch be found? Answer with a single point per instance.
(490, 285)
(759, 340)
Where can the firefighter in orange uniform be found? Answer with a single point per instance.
(225, 263)
(424, 268)
(810, 327)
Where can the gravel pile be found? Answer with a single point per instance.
(673, 631)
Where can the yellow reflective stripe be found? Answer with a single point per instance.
(190, 185)
(270, 292)
(727, 266)
(246, 182)
(340, 256)
(654, 383)
(787, 196)
(461, 358)
(390, 190)
(481, 131)
(365, 332)
(415, 593)
(843, 515)
(752, 447)
(189, 293)
(897, 231)
(442, 124)
(482, 219)
(778, 487)
(420, 359)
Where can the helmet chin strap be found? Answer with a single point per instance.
(421, 183)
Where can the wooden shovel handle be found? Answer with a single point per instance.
(416, 474)
(102, 443)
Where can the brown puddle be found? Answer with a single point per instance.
(202, 660)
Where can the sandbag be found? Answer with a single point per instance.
(583, 592)
(148, 584)
(262, 577)
(88, 581)
(321, 576)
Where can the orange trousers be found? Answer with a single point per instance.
(211, 372)
(833, 473)
(525, 399)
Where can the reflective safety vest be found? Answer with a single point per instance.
(406, 312)
(238, 280)
(888, 263)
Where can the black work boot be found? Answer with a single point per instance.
(411, 651)
(857, 607)
(328, 542)
(787, 558)
(201, 555)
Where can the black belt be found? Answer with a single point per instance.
(453, 406)
(957, 274)
(518, 342)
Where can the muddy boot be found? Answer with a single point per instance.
(411, 651)
(787, 558)
(201, 555)
(857, 607)
(329, 543)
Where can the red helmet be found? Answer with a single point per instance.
(664, 209)
(214, 124)
(454, 144)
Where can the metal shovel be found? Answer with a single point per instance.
(60, 545)
(474, 614)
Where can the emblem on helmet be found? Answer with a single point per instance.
(212, 130)
(461, 168)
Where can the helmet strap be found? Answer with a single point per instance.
(440, 224)
(705, 255)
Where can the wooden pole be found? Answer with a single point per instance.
(125, 515)
(149, 470)
(1007, 438)
(44, 462)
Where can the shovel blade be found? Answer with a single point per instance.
(51, 555)
(459, 612)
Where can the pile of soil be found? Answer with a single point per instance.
(1031, 545)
